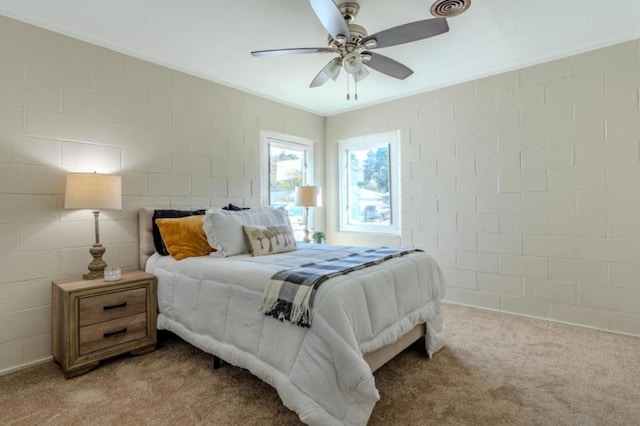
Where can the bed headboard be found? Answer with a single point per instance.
(145, 227)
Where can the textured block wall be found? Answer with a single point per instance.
(525, 186)
(66, 106)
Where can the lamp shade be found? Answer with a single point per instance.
(93, 191)
(307, 196)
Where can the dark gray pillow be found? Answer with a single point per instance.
(234, 208)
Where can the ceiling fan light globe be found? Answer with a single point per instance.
(362, 74)
(332, 70)
(352, 63)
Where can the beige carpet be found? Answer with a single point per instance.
(497, 369)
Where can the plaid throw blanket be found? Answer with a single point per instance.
(289, 293)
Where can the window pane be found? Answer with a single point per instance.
(369, 195)
(369, 183)
(287, 170)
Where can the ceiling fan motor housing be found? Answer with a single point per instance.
(356, 32)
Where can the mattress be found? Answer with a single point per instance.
(319, 372)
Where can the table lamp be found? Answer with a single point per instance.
(306, 196)
(96, 192)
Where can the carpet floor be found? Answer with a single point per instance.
(497, 369)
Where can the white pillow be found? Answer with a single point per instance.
(224, 227)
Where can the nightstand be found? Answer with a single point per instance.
(96, 319)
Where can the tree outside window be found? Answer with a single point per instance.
(369, 183)
(286, 166)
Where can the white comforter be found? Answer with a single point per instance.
(319, 372)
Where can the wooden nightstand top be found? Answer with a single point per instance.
(78, 283)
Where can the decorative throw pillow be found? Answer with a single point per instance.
(271, 239)
(184, 237)
(224, 228)
(164, 214)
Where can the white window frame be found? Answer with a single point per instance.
(392, 139)
(280, 139)
(285, 141)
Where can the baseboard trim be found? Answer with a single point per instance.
(20, 367)
(621, 333)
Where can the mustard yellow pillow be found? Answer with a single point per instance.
(272, 239)
(184, 237)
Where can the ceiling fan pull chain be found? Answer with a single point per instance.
(355, 79)
(347, 86)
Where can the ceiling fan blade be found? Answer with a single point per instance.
(388, 66)
(329, 71)
(408, 32)
(295, 51)
(330, 17)
(362, 74)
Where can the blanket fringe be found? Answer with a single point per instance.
(268, 305)
(286, 311)
(300, 315)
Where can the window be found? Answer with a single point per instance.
(369, 184)
(287, 163)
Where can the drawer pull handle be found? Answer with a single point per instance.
(119, 305)
(111, 333)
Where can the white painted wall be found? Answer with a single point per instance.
(66, 105)
(524, 186)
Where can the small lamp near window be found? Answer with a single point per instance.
(96, 192)
(306, 196)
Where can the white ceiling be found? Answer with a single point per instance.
(213, 38)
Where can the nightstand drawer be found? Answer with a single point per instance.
(110, 333)
(106, 307)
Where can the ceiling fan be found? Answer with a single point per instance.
(353, 45)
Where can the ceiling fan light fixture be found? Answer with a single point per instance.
(329, 71)
(352, 63)
(361, 75)
(333, 69)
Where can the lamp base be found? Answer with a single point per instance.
(97, 265)
(306, 237)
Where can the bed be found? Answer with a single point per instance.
(323, 372)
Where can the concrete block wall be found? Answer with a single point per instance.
(525, 186)
(67, 106)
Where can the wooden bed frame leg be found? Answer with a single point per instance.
(217, 362)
